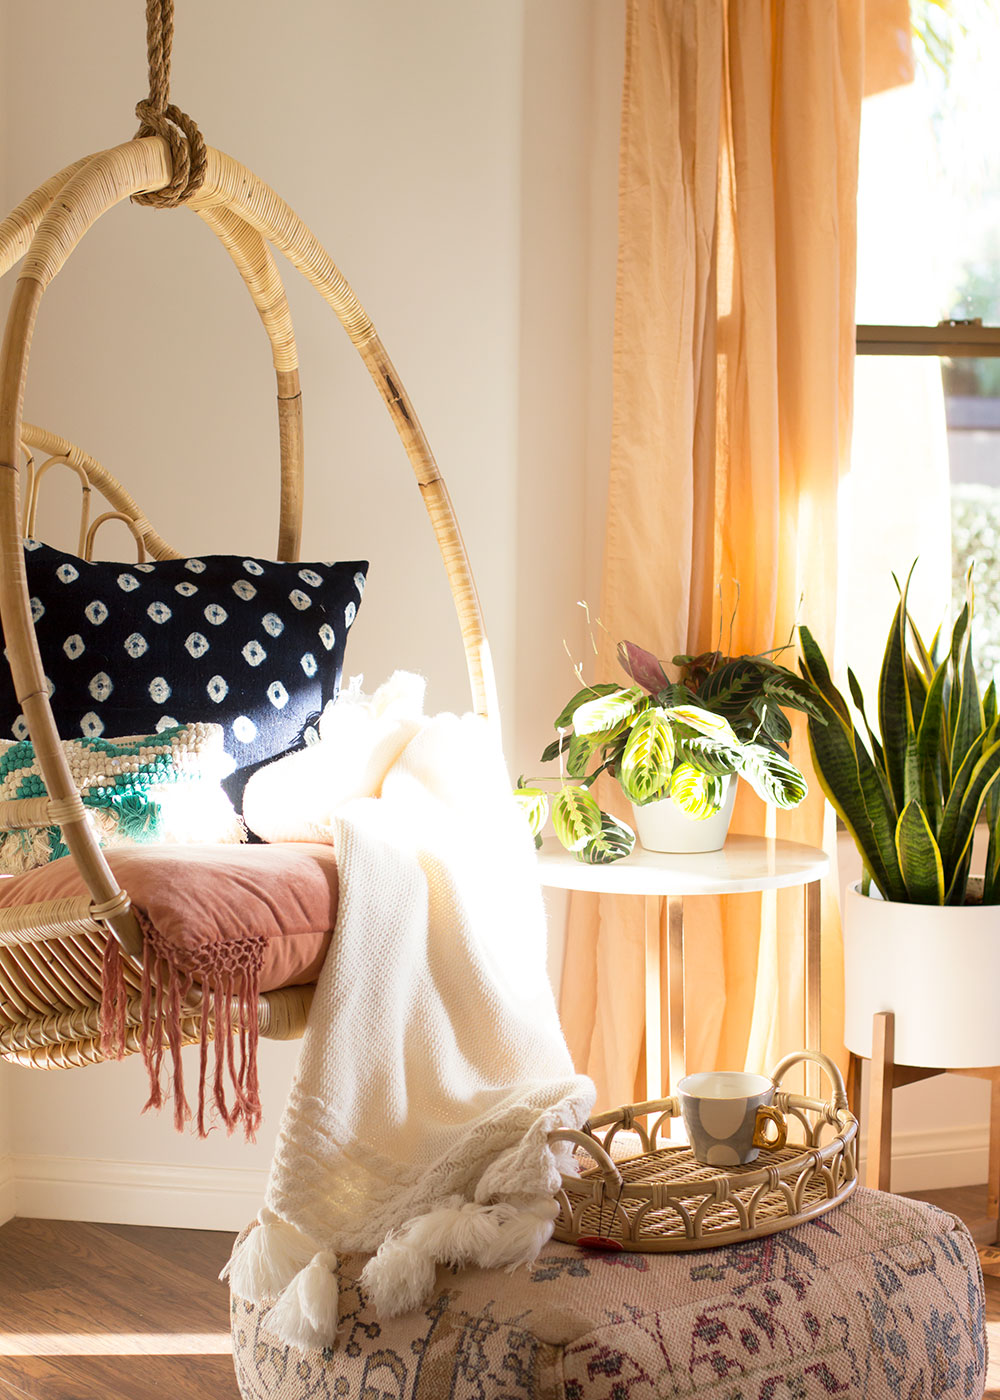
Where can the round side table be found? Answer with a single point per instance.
(744, 864)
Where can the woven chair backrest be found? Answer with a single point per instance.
(249, 218)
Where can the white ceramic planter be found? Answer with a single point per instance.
(937, 968)
(663, 826)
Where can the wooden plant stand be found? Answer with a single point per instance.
(886, 1075)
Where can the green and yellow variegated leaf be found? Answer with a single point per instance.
(575, 816)
(648, 756)
(558, 746)
(772, 776)
(614, 841)
(599, 716)
(708, 755)
(696, 793)
(534, 803)
(589, 692)
(581, 746)
(704, 722)
(919, 857)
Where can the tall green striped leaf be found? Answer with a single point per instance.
(919, 857)
(983, 775)
(859, 705)
(959, 643)
(894, 722)
(813, 665)
(914, 684)
(857, 789)
(947, 835)
(969, 711)
(648, 756)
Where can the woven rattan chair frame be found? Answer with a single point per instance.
(51, 954)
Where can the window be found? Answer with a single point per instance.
(925, 476)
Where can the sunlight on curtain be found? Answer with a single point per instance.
(733, 382)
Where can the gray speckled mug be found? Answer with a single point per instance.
(726, 1113)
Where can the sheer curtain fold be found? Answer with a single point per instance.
(733, 366)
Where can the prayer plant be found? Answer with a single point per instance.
(912, 796)
(669, 738)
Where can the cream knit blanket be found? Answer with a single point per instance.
(433, 1064)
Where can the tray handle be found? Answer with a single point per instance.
(590, 1144)
(839, 1100)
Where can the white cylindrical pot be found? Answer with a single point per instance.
(936, 967)
(663, 826)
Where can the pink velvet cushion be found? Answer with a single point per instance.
(220, 925)
(195, 896)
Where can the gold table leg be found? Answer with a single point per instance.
(675, 994)
(813, 962)
(654, 1031)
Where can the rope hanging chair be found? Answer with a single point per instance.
(51, 953)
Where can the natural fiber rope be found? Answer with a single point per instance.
(67, 809)
(107, 908)
(159, 117)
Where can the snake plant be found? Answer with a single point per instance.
(911, 796)
(664, 738)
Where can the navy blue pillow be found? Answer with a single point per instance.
(250, 644)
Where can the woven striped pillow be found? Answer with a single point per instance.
(138, 790)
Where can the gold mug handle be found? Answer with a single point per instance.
(767, 1114)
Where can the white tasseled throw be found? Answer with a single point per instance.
(433, 1064)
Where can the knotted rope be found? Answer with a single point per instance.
(159, 117)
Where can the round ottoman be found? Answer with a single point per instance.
(882, 1297)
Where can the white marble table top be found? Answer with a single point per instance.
(745, 863)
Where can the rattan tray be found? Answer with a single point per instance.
(663, 1200)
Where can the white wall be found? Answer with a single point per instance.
(459, 162)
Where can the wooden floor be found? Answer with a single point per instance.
(113, 1312)
(130, 1312)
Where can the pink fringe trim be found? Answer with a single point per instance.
(228, 975)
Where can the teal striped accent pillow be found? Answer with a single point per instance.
(139, 790)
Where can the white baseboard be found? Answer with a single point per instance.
(225, 1198)
(8, 1190)
(135, 1193)
(926, 1159)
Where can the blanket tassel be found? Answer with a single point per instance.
(269, 1258)
(401, 1275)
(307, 1314)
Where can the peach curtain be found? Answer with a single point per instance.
(733, 370)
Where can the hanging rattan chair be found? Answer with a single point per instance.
(51, 953)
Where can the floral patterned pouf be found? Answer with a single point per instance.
(882, 1297)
